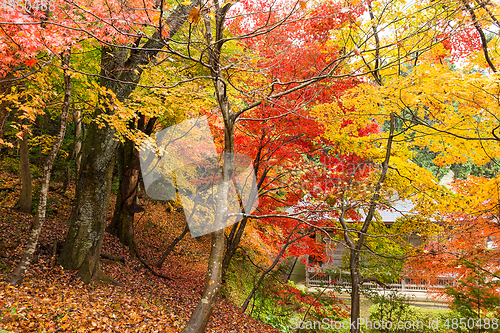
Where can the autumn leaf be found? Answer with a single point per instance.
(194, 15)
(30, 62)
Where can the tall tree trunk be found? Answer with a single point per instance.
(357, 246)
(20, 271)
(355, 286)
(82, 248)
(25, 198)
(122, 224)
(200, 316)
(121, 70)
(237, 230)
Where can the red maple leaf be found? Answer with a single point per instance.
(30, 62)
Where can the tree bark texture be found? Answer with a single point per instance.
(121, 71)
(122, 223)
(83, 243)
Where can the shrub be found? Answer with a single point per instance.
(393, 313)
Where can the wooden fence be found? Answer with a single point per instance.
(407, 284)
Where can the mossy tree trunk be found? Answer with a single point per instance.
(122, 224)
(121, 70)
(83, 243)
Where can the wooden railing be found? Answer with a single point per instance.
(315, 279)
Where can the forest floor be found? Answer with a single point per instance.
(51, 299)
